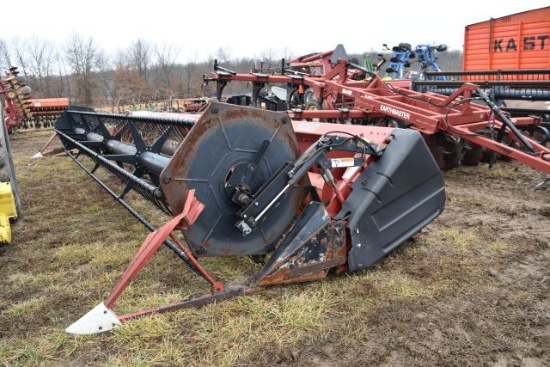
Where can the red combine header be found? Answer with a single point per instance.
(344, 175)
(305, 199)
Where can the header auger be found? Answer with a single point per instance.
(305, 199)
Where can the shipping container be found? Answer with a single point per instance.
(517, 41)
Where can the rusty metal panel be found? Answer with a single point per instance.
(315, 245)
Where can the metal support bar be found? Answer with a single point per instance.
(152, 243)
(506, 121)
(153, 193)
(172, 246)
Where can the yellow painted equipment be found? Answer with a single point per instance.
(8, 211)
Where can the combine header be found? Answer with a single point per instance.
(305, 199)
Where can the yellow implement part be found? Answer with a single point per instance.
(7, 211)
(5, 229)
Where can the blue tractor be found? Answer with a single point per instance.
(403, 54)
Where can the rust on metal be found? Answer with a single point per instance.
(196, 302)
(324, 250)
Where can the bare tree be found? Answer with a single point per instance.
(166, 60)
(19, 52)
(190, 71)
(140, 57)
(450, 60)
(5, 60)
(82, 56)
(268, 59)
(287, 53)
(125, 85)
(105, 80)
(41, 58)
(63, 85)
(223, 55)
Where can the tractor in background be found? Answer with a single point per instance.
(402, 57)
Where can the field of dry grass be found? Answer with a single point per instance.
(472, 290)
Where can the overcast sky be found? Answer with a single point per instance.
(250, 28)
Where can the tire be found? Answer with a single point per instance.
(313, 105)
(295, 100)
(308, 95)
(405, 46)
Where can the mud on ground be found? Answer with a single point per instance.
(473, 289)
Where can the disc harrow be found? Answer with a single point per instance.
(17, 99)
(456, 126)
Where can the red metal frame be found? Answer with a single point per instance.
(152, 243)
(307, 133)
(371, 98)
(20, 109)
(48, 106)
(13, 113)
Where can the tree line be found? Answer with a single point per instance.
(81, 71)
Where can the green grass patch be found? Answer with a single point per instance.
(460, 240)
(27, 306)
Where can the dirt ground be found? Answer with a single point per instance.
(477, 289)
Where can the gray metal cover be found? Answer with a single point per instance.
(394, 198)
